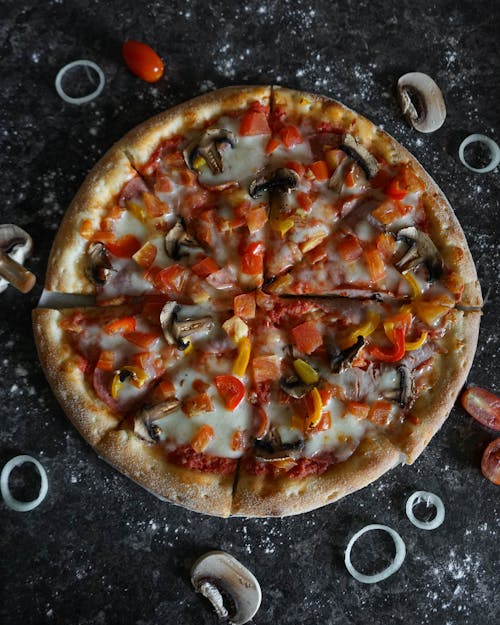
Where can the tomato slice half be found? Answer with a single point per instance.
(230, 389)
(490, 464)
(483, 406)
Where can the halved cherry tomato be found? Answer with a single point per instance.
(483, 406)
(142, 61)
(490, 464)
(230, 389)
(254, 123)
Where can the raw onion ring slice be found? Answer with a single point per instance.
(387, 572)
(10, 501)
(429, 498)
(489, 143)
(85, 98)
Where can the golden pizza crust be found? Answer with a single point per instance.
(257, 497)
(148, 466)
(91, 417)
(450, 370)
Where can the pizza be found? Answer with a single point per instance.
(284, 306)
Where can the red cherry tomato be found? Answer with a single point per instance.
(483, 406)
(490, 464)
(230, 389)
(142, 61)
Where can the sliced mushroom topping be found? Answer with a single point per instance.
(15, 245)
(421, 250)
(342, 360)
(232, 589)
(336, 181)
(360, 154)
(421, 101)
(271, 448)
(207, 146)
(144, 422)
(406, 386)
(176, 330)
(177, 240)
(282, 180)
(294, 386)
(99, 265)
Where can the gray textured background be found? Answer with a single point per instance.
(101, 550)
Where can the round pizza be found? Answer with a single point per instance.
(283, 304)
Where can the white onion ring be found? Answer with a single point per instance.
(85, 98)
(429, 498)
(15, 504)
(489, 143)
(387, 572)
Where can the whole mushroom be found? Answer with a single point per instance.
(15, 246)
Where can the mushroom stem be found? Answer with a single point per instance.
(21, 278)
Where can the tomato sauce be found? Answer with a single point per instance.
(185, 456)
(303, 467)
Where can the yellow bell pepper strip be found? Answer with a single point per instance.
(314, 416)
(306, 373)
(189, 349)
(429, 312)
(137, 210)
(282, 226)
(136, 375)
(242, 359)
(416, 291)
(364, 330)
(411, 346)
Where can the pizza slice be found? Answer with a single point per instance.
(389, 229)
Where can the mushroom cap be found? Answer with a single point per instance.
(281, 179)
(99, 264)
(421, 101)
(421, 250)
(232, 580)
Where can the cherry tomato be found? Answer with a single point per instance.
(230, 389)
(483, 406)
(490, 464)
(142, 61)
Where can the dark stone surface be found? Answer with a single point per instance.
(100, 549)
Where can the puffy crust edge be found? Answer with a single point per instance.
(450, 370)
(148, 466)
(90, 416)
(254, 496)
(445, 229)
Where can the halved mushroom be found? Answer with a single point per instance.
(336, 181)
(15, 246)
(403, 393)
(271, 447)
(144, 422)
(282, 180)
(360, 154)
(293, 386)
(231, 588)
(99, 265)
(207, 146)
(421, 250)
(177, 330)
(421, 101)
(340, 360)
(177, 240)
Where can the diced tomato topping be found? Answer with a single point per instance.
(290, 136)
(379, 413)
(254, 123)
(317, 254)
(163, 184)
(171, 278)
(307, 337)
(327, 391)
(483, 406)
(260, 422)
(239, 440)
(200, 386)
(260, 107)
(230, 389)
(320, 170)
(125, 247)
(272, 145)
(381, 179)
(104, 236)
(490, 464)
(349, 247)
(205, 267)
(202, 438)
(142, 339)
(162, 391)
(394, 189)
(266, 368)
(146, 255)
(357, 409)
(304, 200)
(188, 178)
(154, 206)
(252, 259)
(389, 211)
(386, 244)
(325, 423)
(86, 229)
(120, 326)
(375, 264)
(244, 305)
(106, 361)
(196, 404)
(409, 179)
(297, 167)
(256, 218)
